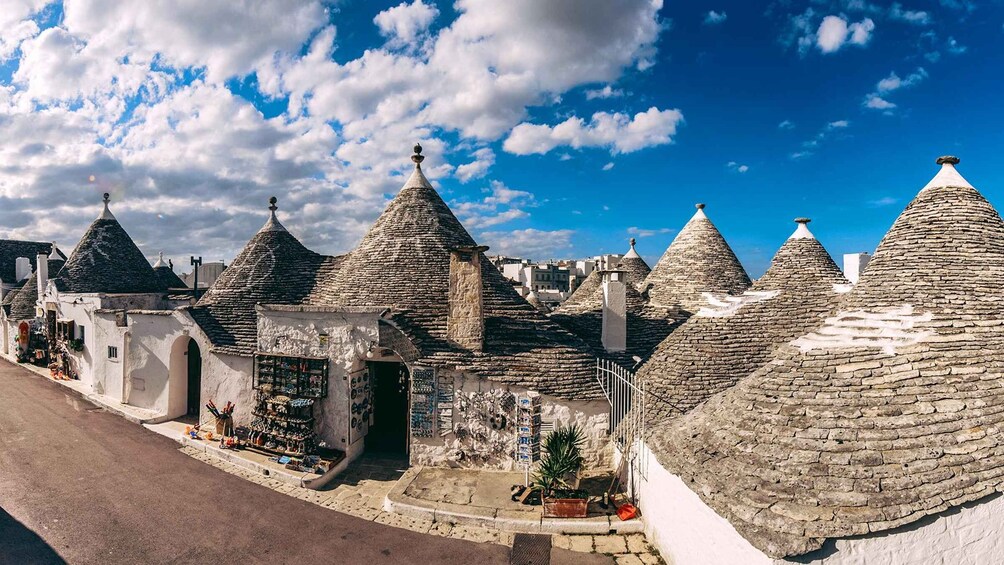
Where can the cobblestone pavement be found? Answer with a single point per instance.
(360, 491)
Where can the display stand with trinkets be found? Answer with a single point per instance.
(360, 404)
(527, 452)
(286, 388)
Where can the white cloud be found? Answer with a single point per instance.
(834, 32)
(715, 18)
(642, 232)
(405, 22)
(786, 124)
(954, 47)
(917, 17)
(876, 102)
(890, 84)
(839, 124)
(603, 93)
(608, 166)
(484, 158)
(733, 165)
(106, 93)
(618, 132)
(502, 205)
(16, 25)
(528, 242)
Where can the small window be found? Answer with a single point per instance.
(113, 352)
(80, 333)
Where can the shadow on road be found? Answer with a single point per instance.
(21, 545)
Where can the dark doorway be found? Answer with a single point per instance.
(389, 432)
(194, 377)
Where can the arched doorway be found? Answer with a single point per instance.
(388, 432)
(185, 378)
(194, 377)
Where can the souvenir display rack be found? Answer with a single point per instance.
(282, 424)
(290, 375)
(528, 407)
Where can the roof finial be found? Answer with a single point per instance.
(106, 214)
(700, 206)
(160, 261)
(947, 159)
(418, 157)
(272, 224)
(802, 231)
(632, 242)
(54, 255)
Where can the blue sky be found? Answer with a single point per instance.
(555, 130)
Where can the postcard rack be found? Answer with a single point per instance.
(291, 375)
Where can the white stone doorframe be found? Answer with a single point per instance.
(178, 377)
(626, 396)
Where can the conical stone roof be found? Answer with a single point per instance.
(403, 263)
(22, 307)
(885, 414)
(166, 275)
(635, 267)
(727, 341)
(106, 260)
(699, 260)
(273, 268)
(534, 301)
(647, 325)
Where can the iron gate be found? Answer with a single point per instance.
(626, 423)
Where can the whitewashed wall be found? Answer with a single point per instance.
(349, 337)
(688, 532)
(496, 451)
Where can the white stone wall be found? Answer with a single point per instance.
(488, 446)
(684, 529)
(688, 532)
(349, 338)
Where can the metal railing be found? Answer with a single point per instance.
(626, 425)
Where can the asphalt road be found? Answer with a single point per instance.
(84, 486)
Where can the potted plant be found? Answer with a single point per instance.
(557, 476)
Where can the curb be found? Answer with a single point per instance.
(398, 502)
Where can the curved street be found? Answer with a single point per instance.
(80, 485)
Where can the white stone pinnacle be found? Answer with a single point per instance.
(802, 232)
(948, 176)
(160, 261)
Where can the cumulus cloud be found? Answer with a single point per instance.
(834, 32)
(136, 95)
(642, 232)
(604, 93)
(715, 18)
(405, 22)
(917, 17)
(786, 124)
(529, 242)
(484, 158)
(500, 205)
(877, 101)
(734, 166)
(618, 132)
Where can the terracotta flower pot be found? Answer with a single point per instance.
(565, 507)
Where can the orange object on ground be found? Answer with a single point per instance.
(626, 512)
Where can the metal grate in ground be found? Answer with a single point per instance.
(530, 549)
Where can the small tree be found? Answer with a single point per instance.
(560, 462)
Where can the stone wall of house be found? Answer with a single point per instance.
(466, 322)
(348, 337)
(688, 532)
(481, 432)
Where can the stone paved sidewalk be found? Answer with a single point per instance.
(362, 489)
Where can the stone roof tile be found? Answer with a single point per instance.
(886, 413)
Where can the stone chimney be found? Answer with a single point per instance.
(614, 333)
(42, 271)
(854, 265)
(22, 268)
(465, 325)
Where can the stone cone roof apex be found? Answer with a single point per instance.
(54, 256)
(802, 231)
(417, 179)
(106, 214)
(160, 261)
(948, 175)
(700, 215)
(272, 224)
(631, 254)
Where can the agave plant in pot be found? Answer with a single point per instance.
(557, 476)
